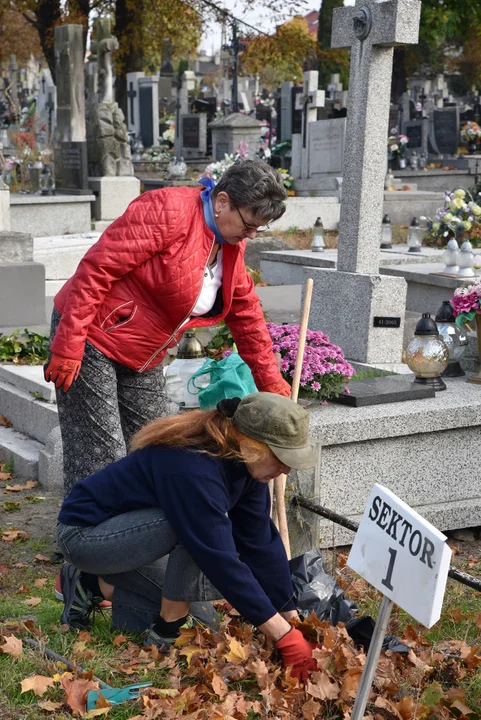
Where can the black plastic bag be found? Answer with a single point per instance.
(316, 590)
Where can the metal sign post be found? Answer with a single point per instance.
(404, 557)
(372, 659)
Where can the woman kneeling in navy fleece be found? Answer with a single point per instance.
(195, 489)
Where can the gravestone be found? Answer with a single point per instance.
(70, 147)
(194, 135)
(45, 107)
(417, 133)
(12, 87)
(296, 115)
(229, 131)
(133, 105)
(446, 130)
(22, 282)
(326, 147)
(285, 115)
(149, 110)
(371, 30)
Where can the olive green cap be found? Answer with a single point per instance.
(280, 423)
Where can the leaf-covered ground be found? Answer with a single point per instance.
(229, 674)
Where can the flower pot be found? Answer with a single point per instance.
(477, 378)
(472, 148)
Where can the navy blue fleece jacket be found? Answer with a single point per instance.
(218, 511)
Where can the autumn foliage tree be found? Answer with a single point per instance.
(279, 57)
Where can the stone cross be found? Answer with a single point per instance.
(371, 29)
(106, 45)
(308, 102)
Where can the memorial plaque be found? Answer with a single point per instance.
(71, 174)
(146, 115)
(414, 133)
(446, 130)
(326, 146)
(389, 322)
(191, 132)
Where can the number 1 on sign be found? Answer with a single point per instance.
(387, 580)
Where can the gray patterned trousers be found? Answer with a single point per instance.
(102, 411)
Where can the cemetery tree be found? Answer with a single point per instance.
(447, 27)
(280, 56)
(12, 26)
(334, 61)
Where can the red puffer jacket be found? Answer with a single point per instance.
(135, 287)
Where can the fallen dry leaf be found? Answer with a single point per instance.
(40, 582)
(32, 602)
(219, 686)
(12, 646)
(23, 589)
(16, 488)
(323, 689)
(119, 640)
(4, 422)
(477, 622)
(85, 636)
(76, 691)
(14, 534)
(41, 558)
(238, 652)
(310, 709)
(38, 683)
(458, 705)
(49, 706)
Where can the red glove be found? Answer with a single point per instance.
(297, 651)
(62, 371)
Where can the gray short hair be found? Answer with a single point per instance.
(256, 185)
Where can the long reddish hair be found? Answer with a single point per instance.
(207, 431)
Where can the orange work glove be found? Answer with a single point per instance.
(297, 651)
(62, 371)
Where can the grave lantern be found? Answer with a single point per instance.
(46, 182)
(455, 339)
(466, 260)
(386, 233)
(415, 236)
(427, 355)
(318, 236)
(450, 257)
(190, 358)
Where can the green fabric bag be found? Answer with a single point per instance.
(230, 377)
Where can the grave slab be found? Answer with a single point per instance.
(15, 247)
(60, 214)
(380, 390)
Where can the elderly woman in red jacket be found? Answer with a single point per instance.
(172, 261)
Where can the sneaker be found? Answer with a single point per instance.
(104, 605)
(79, 602)
(163, 643)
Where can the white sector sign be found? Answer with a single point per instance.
(402, 555)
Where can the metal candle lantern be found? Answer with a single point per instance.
(190, 358)
(415, 236)
(386, 233)
(450, 257)
(318, 236)
(427, 355)
(454, 338)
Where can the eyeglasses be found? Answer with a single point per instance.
(256, 229)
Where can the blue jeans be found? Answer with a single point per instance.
(139, 553)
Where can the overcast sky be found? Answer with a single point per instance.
(259, 18)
